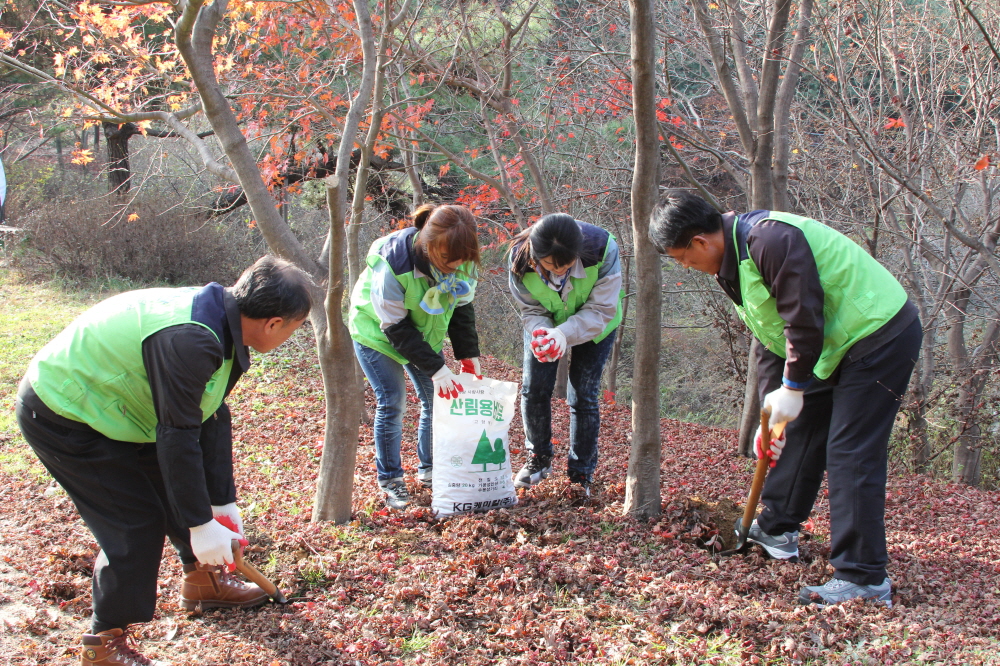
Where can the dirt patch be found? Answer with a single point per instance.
(708, 525)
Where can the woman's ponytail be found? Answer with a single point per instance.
(422, 214)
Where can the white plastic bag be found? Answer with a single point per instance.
(472, 468)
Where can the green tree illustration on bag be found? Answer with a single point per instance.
(489, 454)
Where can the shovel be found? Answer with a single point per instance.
(251, 572)
(758, 481)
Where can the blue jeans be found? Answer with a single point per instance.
(385, 374)
(585, 368)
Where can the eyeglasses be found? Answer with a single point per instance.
(680, 259)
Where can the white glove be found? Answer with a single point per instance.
(549, 344)
(470, 366)
(232, 512)
(213, 544)
(777, 445)
(785, 404)
(446, 383)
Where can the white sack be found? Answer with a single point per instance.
(472, 468)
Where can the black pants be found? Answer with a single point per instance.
(844, 430)
(118, 489)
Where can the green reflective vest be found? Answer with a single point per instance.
(92, 372)
(396, 251)
(860, 295)
(597, 240)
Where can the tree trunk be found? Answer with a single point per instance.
(642, 487)
(750, 418)
(967, 467)
(562, 376)
(344, 403)
(343, 389)
(195, 32)
(377, 73)
(119, 173)
(405, 147)
(783, 103)
(920, 445)
(611, 372)
(761, 127)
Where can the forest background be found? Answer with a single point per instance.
(174, 143)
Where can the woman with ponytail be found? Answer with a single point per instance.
(416, 289)
(566, 280)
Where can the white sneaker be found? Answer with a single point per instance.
(426, 477)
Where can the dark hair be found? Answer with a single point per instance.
(273, 287)
(447, 234)
(679, 217)
(556, 236)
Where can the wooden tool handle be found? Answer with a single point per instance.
(250, 571)
(761, 471)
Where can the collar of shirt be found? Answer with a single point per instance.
(234, 331)
(577, 271)
(421, 264)
(729, 272)
(730, 269)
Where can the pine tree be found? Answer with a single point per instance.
(485, 453)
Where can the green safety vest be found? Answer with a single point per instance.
(92, 372)
(396, 251)
(553, 302)
(860, 295)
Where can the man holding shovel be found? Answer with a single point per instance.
(839, 339)
(126, 410)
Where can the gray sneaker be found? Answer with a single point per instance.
(537, 469)
(836, 590)
(396, 494)
(426, 477)
(782, 547)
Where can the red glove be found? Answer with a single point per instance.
(548, 344)
(228, 523)
(470, 366)
(774, 452)
(446, 383)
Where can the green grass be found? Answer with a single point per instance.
(608, 527)
(313, 575)
(270, 567)
(416, 643)
(18, 461)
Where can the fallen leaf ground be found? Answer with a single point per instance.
(557, 579)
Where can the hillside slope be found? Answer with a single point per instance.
(557, 579)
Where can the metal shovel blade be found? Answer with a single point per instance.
(255, 576)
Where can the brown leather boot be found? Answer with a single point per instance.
(114, 647)
(214, 587)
